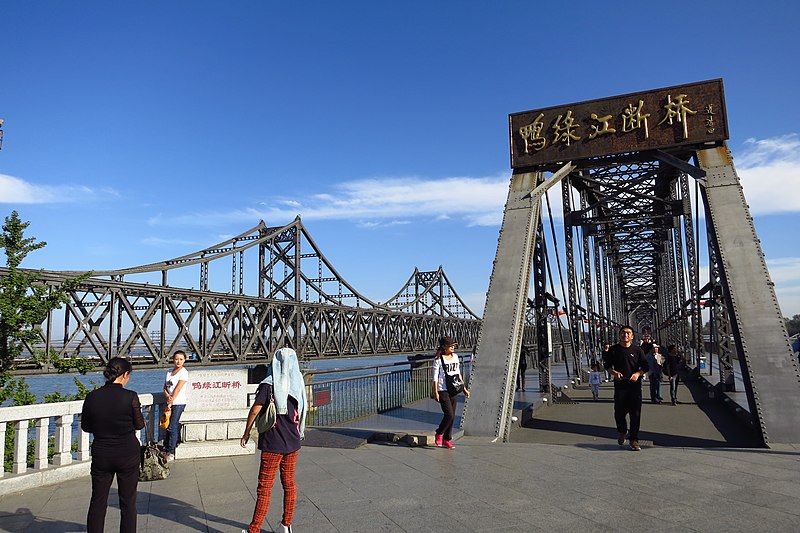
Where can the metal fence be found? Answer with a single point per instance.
(369, 390)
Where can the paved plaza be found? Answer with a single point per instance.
(563, 469)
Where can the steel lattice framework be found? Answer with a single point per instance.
(300, 301)
(631, 251)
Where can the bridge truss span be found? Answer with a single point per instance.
(296, 298)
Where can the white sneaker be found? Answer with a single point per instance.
(286, 529)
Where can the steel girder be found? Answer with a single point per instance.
(621, 216)
(758, 332)
(487, 411)
(103, 319)
(295, 306)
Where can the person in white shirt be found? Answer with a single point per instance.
(177, 394)
(446, 365)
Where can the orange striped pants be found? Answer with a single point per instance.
(266, 477)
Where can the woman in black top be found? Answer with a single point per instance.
(113, 415)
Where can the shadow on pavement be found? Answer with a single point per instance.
(23, 520)
(700, 423)
(336, 437)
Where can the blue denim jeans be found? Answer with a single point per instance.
(655, 389)
(171, 436)
(673, 388)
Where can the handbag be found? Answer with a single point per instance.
(453, 381)
(268, 416)
(153, 464)
(165, 416)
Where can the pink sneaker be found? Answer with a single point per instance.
(438, 441)
(449, 445)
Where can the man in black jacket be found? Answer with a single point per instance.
(627, 364)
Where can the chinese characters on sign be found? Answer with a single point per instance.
(217, 389)
(197, 385)
(674, 116)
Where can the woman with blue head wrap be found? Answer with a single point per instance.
(280, 445)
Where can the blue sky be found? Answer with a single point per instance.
(139, 132)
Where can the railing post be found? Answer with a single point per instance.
(40, 453)
(20, 461)
(3, 440)
(377, 389)
(63, 455)
(83, 443)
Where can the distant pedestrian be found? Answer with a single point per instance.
(177, 394)
(627, 364)
(595, 379)
(446, 362)
(603, 357)
(673, 364)
(280, 445)
(522, 368)
(654, 374)
(113, 415)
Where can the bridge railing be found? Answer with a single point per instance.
(376, 389)
(49, 446)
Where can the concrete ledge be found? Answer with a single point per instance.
(220, 448)
(40, 478)
(423, 438)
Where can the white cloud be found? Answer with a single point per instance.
(380, 202)
(770, 174)
(785, 273)
(18, 191)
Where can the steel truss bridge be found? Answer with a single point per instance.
(636, 225)
(291, 296)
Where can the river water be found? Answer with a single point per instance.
(152, 380)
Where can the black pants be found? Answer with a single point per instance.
(628, 401)
(448, 404)
(103, 470)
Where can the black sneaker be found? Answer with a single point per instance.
(621, 439)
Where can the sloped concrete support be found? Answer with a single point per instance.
(769, 369)
(487, 412)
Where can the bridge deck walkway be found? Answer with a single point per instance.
(564, 469)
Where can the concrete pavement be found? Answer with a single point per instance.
(563, 471)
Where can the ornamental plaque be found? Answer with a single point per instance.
(692, 114)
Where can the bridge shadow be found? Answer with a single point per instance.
(185, 515)
(148, 506)
(699, 423)
(23, 520)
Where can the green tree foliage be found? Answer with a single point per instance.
(793, 325)
(24, 304)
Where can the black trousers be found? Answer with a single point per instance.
(448, 404)
(628, 402)
(103, 470)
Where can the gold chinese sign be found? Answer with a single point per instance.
(674, 116)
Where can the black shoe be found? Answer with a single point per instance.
(621, 439)
(674, 402)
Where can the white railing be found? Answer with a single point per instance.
(332, 401)
(37, 423)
